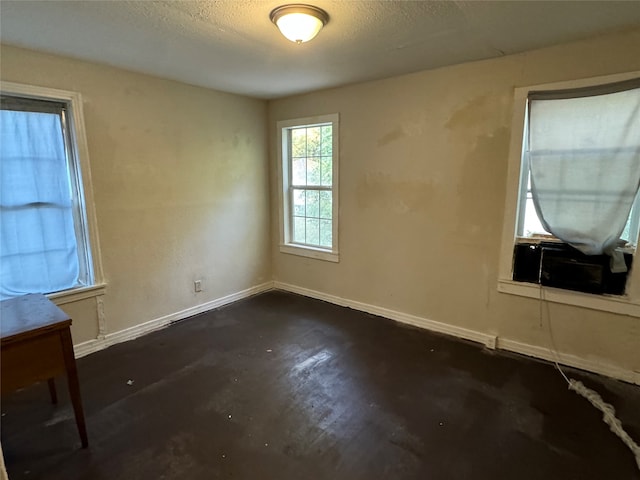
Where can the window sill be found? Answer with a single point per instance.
(76, 294)
(310, 252)
(606, 303)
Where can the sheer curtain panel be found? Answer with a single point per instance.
(584, 161)
(38, 247)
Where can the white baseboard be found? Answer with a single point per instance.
(446, 328)
(85, 348)
(489, 340)
(570, 360)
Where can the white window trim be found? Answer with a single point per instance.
(628, 304)
(74, 101)
(284, 178)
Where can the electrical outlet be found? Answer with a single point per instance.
(197, 285)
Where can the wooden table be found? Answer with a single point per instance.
(36, 345)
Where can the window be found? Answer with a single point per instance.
(573, 176)
(309, 180)
(579, 138)
(45, 244)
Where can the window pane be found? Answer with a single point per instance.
(313, 231)
(298, 202)
(326, 169)
(327, 140)
(325, 205)
(298, 142)
(299, 229)
(630, 232)
(626, 234)
(532, 224)
(299, 171)
(313, 203)
(313, 141)
(326, 233)
(313, 171)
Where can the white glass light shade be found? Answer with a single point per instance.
(299, 27)
(299, 23)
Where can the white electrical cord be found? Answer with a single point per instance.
(608, 412)
(608, 416)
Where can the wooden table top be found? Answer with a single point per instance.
(29, 315)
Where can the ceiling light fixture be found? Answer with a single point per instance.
(299, 23)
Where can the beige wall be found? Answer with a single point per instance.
(180, 185)
(423, 163)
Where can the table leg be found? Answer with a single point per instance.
(74, 385)
(52, 390)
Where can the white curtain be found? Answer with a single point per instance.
(38, 251)
(584, 160)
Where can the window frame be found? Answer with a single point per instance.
(285, 191)
(627, 304)
(84, 216)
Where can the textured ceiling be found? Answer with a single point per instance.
(231, 45)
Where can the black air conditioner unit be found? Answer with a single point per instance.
(562, 266)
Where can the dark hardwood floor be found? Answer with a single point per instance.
(280, 386)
